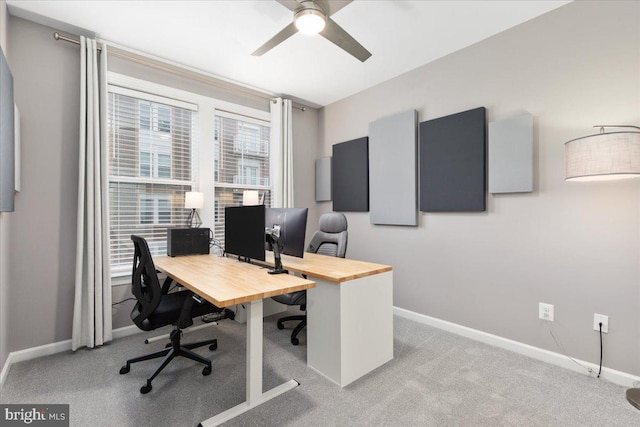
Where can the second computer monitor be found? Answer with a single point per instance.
(244, 231)
(293, 225)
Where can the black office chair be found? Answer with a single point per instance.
(331, 240)
(156, 308)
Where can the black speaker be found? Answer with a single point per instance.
(187, 241)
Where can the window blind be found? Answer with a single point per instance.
(151, 147)
(241, 157)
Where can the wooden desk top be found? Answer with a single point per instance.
(226, 281)
(329, 268)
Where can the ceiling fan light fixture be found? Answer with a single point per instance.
(310, 21)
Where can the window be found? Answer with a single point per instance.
(150, 169)
(159, 138)
(241, 151)
(155, 209)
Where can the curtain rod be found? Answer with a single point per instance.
(59, 37)
(302, 108)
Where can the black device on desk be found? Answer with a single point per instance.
(188, 241)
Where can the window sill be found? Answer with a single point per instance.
(120, 279)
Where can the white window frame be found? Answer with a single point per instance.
(204, 128)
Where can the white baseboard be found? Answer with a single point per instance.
(5, 370)
(612, 375)
(616, 377)
(53, 348)
(126, 331)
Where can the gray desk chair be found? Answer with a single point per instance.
(331, 240)
(156, 307)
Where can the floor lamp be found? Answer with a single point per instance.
(606, 156)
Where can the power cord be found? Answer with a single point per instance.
(124, 300)
(213, 242)
(600, 370)
(561, 347)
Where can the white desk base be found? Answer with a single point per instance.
(350, 326)
(255, 396)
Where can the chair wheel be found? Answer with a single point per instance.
(124, 370)
(206, 371)
(280, 326)
(214, 346)
(295, 341)
(145, 389)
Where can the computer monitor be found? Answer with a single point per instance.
(293, 225)
(244, 232)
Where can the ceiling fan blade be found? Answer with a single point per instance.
(292, 5)
(286, 32)
(331, 7)
(336, 35)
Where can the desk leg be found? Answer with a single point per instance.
(255, 396)
(254, 352)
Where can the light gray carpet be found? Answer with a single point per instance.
(435, 379)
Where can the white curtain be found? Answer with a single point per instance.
(282, 153)
(92, 307)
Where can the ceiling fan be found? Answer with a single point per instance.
(313, 16)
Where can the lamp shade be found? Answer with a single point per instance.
(604, 156)
(193, 200)
(250, 198)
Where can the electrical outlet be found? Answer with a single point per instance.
(597, 318)
(545, 311)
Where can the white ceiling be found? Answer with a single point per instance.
(219, 36)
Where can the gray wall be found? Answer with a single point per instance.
(43, 227)
(41, 242)
(4, 220)
(574, 245)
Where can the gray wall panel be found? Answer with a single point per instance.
(323, 179)
(511, 155)
(453, 162)
(7, 137)
(350, 176)
(392, 169)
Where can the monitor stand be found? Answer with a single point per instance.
(277, 269)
